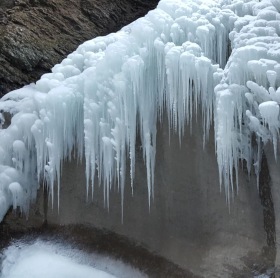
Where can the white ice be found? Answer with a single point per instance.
(252, 79)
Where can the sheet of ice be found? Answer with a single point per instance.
(115, 88)
(42, 259)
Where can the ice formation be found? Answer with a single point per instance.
(247, 99)
(115, 88)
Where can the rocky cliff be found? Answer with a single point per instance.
(37, 34)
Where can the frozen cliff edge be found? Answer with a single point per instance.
(114, 88)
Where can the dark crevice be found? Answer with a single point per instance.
(269, 251)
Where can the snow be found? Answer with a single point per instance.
(176, 61)
(44, 259)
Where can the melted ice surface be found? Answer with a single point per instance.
(114, 88)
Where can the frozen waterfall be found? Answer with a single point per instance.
(217, 58)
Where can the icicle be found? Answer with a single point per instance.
(95, 102)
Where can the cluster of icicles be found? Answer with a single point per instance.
(115, 88)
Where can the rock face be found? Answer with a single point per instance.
(189, 221)
(37, 34)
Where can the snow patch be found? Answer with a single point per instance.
(46, 259)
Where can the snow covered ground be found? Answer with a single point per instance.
(41, 259)
(173, 61)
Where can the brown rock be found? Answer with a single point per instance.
(37, 34)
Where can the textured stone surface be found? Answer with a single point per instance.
(37, 34)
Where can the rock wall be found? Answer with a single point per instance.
(37, 34)
(274, 186)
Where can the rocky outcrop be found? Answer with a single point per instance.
(37, 34)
